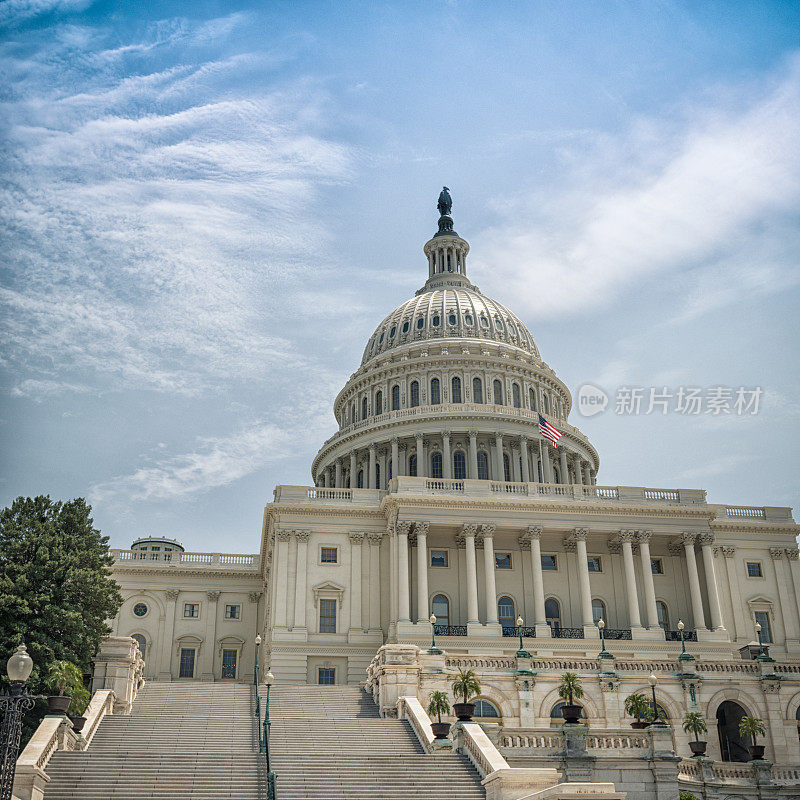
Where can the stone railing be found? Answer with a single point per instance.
(553, 740)
(480, 662)
(144, 559)
(328, 496)
(754, 513)
(411, 709)
(734, 774)
(479, 749)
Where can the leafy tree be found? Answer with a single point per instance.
(438, 704)
(694, 723)
(56, 590)
(466, 685)
(637, 705)
(570, 689)
(752, 727)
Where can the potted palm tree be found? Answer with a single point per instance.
(752, 727)
(570, 690)
(61, 677)
(465, 686)
(438, 704)
(637, 705)
(80, 701)
(694, 723)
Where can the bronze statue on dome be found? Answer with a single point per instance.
(445, 203)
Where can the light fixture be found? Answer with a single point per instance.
(19, 666)
(258, 640)
(269, 679)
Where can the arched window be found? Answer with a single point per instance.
(555, 713)
(364, 407)
(663, 614)
(797, 717)
(552, 613)
(545, 404)
(506, 467)
(353, 412)
(436, 394)
(379, 402)
(599, 610)
(485, 710)
(505, 612)
(360, 480)
(732, 745)
(532, 399)
(377, 476)
(440, 607)
(455, 386)
(515, 395)
(389, 470)
(142, 642)
(477, 390)
(436, 465)
(498, 393)
(414, 394)
(395, 397)
(412, 465)
(459, 465)
(556, 478)
(483, 466)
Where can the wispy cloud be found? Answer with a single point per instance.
(13, 12)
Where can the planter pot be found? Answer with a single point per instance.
(756, 752)
(698, 748)
(571, 713)
(463, 711)
(58, 704)
(440, 729)
(78, 723)
(640, 725)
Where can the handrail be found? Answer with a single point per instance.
(101, 704)
(411, 709)
(480, 750)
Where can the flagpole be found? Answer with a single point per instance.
(541, 460)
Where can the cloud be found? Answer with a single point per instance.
(717, 466)
(13, 12)
(671, 197)
(41, 389)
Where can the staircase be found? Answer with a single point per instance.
(330, 743)
(180, 741)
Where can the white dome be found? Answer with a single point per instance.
(449, 313)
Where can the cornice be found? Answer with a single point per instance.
(174, 573)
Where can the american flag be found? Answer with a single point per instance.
(548, 431)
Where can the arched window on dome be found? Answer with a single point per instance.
(506, 468)
(360, 480)
(498, 392)
(455, 389)
(377, 476)
(599, 610)
(477, 390)
(459, 465)
(545, 404)
(515, 395)
(483, 466)
(412, 465)
(378, 402)
(552, 613)
(532, 399)
(396, 397)
(436, 392)
(353, 412)
(414, 394)
(364, 407)
(436, 464)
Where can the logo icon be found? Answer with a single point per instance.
(591, 400)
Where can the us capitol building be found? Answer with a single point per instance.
(438, 495)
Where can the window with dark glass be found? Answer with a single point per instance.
(327, 616)
(435, 320)
(232, 612)
(477, 390)
(455, 386)
(140, 609)
(326, 676)
(549, 562)
(420, 323)
(505, 612)
(515, 395)
(379, 402)
(414, 393)
(484, 322)
(363, 408)
(186, 668)
(546, 404)
(754, 569)
(452, 318)
(406, 326)
(440, 606)
(142, 642)
(663, 614)
(389, 470)
(485, 710)
(395, 397)
(506, 468)
(393, 331)
(498, 323)
(377, 476)
(657, 566)
(498, 393)
(468, 319)
(762, 618)
(459, 465)
(483, 466)
(598, 610)
(412, 465)
(191, 609)
(438, 558)
(360, 479)
(532, 399)
(552, 612)
(436, 393)
(229, 664)
(436, 465)
(595, 565)
(502, 560)
(329, 555)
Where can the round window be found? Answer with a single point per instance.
(405, 327)
(420, 323)
(452, 319)
(435, 321)
(140, 609)
(468, 319)
(393, 331)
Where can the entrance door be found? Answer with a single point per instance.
(731, 744)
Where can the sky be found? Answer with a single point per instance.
(206, 208)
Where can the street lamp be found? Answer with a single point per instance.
(255, 668)
(433, 649)
(522, 652)
(269, 679)
(684, 656)
(653, 681)
(255, 683)
(762, 651)
(601, 623)
(18, 668)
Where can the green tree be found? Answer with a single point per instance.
(56, 590)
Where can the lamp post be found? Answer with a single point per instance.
(653, 681)
(762, 651)
(433, 649)
(522, 652)
(255, 667)
(18, 668)
(258, 698)
(269, 679)
(601, 623)
(684, 656)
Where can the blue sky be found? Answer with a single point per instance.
(206, 209)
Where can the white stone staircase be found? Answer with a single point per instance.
(181, 741)
(330, 743)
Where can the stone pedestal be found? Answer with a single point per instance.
(119, 667)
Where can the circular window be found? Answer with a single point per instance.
(405, 327)
(393, 331)
(140, 609)
(420, 323)
(435, 320)
(468, 319)
(452, 318)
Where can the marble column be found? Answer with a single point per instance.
(421, 471)
(627, 538)
(353, 470)
(562, 459)
(393, 589)
(487, 534)
(396, 470)
(356, 540)
(383, 483)
(300, 582)
(210, 637)
(372, 462)
(281, 576)
(338, 473)
(499, 472)
(167, 649)
(587, 475)
(447, 461)
(403, 610)
(643, 537)
(787, 606)
(534, 533)
(526, 467)
(706, 545)
(515, 464)
(741, 622)
(581, 535)
(688, 540)
(469, 532)
(576, 466)
(473, 455)
(374, 581)
(546, 465)
(423, 612)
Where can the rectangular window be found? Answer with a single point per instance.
(502, 560)
(329, 555)
(232, 612)
(754, 569)
(549, 562)
(595, 565)
(229, 664)
(438, 558)
(762, 618)
(326, 676)
(191, 609)
(656, 566)
(187, 663)
(327, 616)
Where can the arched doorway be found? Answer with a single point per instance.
(731, 745)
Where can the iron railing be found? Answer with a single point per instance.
(617, 633)
(511, 630)
(567, 633)
(675, 636)
(450, 630)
